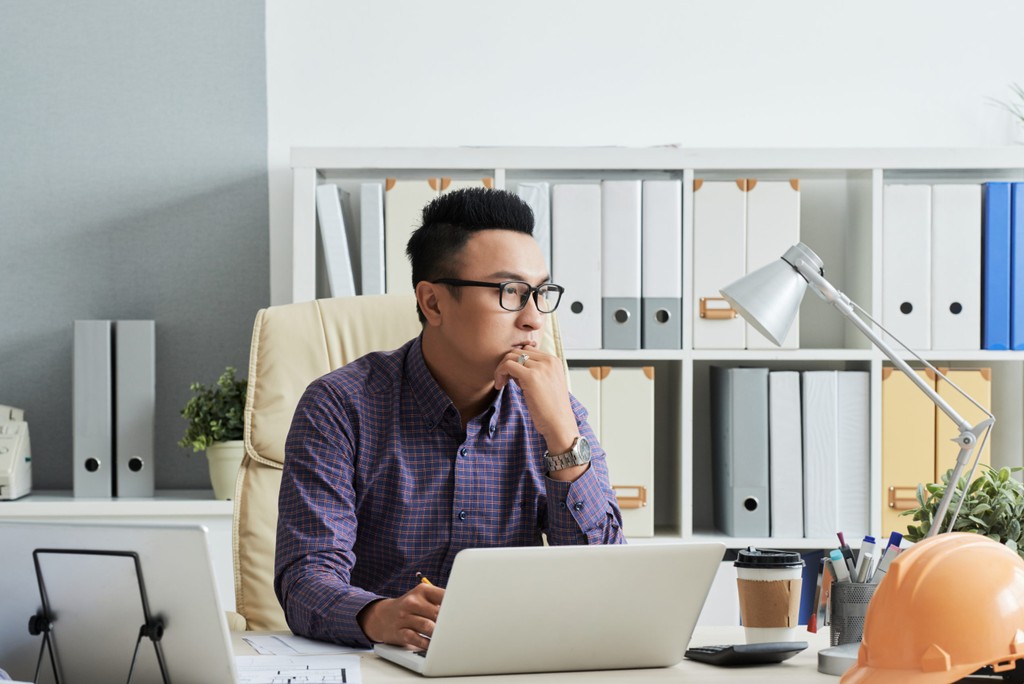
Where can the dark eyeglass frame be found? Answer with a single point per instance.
(531, 290)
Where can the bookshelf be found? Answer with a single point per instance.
(841, 219)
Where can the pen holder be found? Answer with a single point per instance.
(848, 606)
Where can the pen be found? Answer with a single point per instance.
(866, 547)
(847, 552)
(839, 566)
(894, 539)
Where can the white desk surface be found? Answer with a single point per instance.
(801, 668)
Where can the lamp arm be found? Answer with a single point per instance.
(969, 434)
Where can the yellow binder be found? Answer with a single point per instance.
(908, 445)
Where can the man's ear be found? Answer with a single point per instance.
(426, 298)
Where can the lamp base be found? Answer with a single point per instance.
(836, 660)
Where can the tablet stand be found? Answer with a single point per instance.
(43, 622)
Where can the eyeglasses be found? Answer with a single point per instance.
(514, 294)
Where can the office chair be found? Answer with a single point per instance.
(292, 345)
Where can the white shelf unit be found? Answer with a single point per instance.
(841, 219)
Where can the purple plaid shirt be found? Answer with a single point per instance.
(381, 482)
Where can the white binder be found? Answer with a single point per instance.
(785, 454)
(661, 279)
(135, 410)
(719, 258)
(854, 453)
(371, 242)
(620, 264)
(576, 257)
(906, 263)
(627, 434)
(403, 213)
(773, 226)
(330, 215)
(821, 453)
(537, 195)
(956, 267)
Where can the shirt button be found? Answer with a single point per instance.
(463, 452)
(491, 429)
(462, 515)
(578, 506)
(561, 504)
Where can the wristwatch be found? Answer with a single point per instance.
(577, 455)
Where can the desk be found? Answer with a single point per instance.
(801, 668)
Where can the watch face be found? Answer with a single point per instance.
(583, 450)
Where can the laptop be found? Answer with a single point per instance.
(566, 608)
(91, 578)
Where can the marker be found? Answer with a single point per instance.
(864, 568)
(847, 552)
(883, 565)
(839, 566)
(866, 547)
(894, 539)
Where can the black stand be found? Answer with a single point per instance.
(43, 622)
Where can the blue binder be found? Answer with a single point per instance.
(1017, 266)
(995, 267)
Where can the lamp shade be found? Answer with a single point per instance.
(769, 298)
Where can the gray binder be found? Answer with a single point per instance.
(135, 373)
(621, 324)
(662, 276)
(663, 323)
(92, 410)
(739, 440)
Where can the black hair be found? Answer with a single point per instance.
(450, 220)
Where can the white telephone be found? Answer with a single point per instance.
(15, 456)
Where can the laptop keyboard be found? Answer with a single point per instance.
(422, 654)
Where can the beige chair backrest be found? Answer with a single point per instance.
(292, 345)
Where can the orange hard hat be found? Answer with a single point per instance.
(949, 605)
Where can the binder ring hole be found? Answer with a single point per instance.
(621, 316)
(956, 307)
(135, 464)
(576, 307)
(906, 307)
(750, 503)
(92, 464)
(662, 315)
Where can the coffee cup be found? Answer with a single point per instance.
(769, 588)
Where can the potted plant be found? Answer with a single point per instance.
(994, 507)
(216, 422)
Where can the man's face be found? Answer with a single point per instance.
(475, 326)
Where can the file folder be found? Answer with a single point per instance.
(92, 412)
(627, 429)
(620, 264)
(371, 238)
(586, 387)
(576, 253)
(956, 267)
(1017, 266)
(908, 445)
(906, 264)
(661, 274)
(785, 454)
(853, 416)
(538, 196)
(135, 411)
(403, 213)
(821, 453)
(719, 258)
(330, 215)
(773, 226)
(977, 382)
(739, 444)
(995, 267)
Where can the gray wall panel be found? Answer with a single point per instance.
(133, 184)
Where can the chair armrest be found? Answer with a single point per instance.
(236, 623)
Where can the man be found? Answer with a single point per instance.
(466, 436)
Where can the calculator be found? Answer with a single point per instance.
(746, 654)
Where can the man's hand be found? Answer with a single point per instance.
(542, 380)
(404, 620)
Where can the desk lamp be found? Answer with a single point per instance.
(769, 299)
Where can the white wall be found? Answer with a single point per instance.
(705, 73)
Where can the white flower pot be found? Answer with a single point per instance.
(224, 459)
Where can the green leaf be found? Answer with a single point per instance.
(215, 413)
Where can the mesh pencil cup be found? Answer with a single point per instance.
(848, 604)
